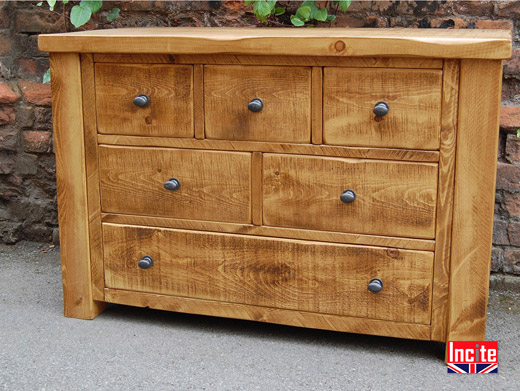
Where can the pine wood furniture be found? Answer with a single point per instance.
(337, 179)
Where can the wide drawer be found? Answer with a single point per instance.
(290, 274)
(285, 111)
(412, 96)
(391, 198)
(169, 111)
(203, 185)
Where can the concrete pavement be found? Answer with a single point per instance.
(129, 348)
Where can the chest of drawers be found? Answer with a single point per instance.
(327, 178)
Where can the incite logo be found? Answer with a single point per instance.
(472, 357)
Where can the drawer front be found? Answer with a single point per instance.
(289, 274)
(169, 88)
(391, 198)
(413, 98)
(285, 93)
(213, 185)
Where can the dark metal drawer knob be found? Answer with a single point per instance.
(375, 285)
(142, 100)
(146, 262)
(172, 184)
(381, 109)
(255, 105)
(348, 196)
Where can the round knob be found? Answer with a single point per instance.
(381, 109)
(142, 100)
(255, 105)
(172, 184)
(146, 262)
(348, 196)
(375, 285)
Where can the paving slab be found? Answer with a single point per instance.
(128, 348)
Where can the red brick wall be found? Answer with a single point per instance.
(27, 168)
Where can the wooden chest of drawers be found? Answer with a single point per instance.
(327, 178)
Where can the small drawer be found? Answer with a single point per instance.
(146, 100)
(408, 103)
(257, 103)
(350, 195)
(276, 273)
(186, 184)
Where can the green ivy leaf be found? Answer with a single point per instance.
(51, 3)
(47, 76)
(113, 14)
(80, 15)
(271, 3)
(279, 11)
(518, 133)
(303, 13)
(39, 4)
(344, 4)
(262, 10)
(94, 5)
(296, 21)
(320, 15)
(331, 18)
(65, 1)
(249, 2)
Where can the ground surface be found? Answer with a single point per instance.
(129, 348)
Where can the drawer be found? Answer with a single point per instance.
(169, 88)
(213, 185)
(289, 274)
(285, 112)
(391, 198)
(413, 98)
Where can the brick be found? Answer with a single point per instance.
(508, 177)
(27, 66)
(494, 24)
(37, 93)
(8, 139)
(497, 259)
(472, 7)
(7, 95)
(512, 66)
(447, 23)
(25, 116)
(37, 21)
(508, 8)
(43, 116)
(26, 164)
(512, 261)
(510, 118)
(7, 115)
(512, 204)
(348, 20)
(5, 43)
(4, 18)
(38, 142)
(511, 91)
(513, 232)
(27, 46)
(234, 5)
(6, 164)
(512, 152)
(500, 236)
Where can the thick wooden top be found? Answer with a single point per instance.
(436, 43)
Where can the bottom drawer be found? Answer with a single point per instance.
(290, 274)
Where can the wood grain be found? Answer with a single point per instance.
(474, 198)
(92, 177)
(170, 88)
(413, 96)
(395, 42)
(288, 233)
(198, 100)
(233, 59)
(393, 198)
(285, 92)
(214, 185)
(71, 178)
(441, 271)
(252, 146)
(269, 315)
(256, 187)
(278, 273)
(317, 105)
